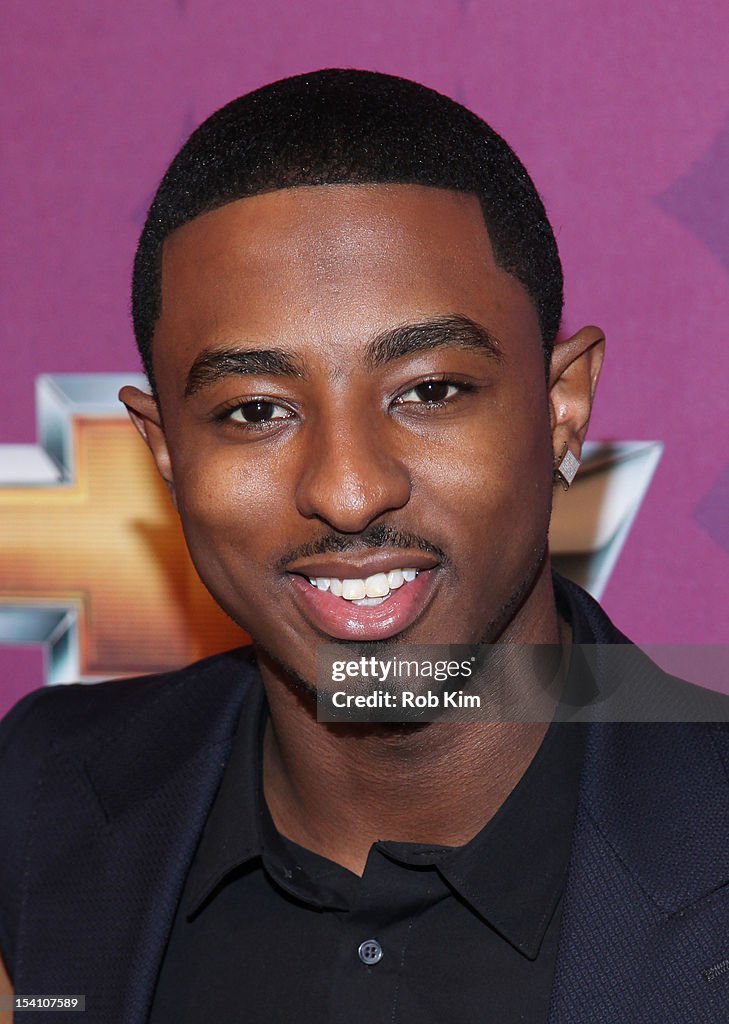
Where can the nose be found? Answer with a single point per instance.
(351, 476)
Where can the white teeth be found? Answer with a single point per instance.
(367, 592)
(354, 590)
(377, 585)
(394, 579)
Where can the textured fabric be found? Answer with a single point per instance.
(107, 811)
(104, 791)
(645, 931)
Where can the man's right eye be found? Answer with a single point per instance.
(258, 410)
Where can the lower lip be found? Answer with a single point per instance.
(344, 620)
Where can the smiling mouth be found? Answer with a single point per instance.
(368, 591)
(373, 607)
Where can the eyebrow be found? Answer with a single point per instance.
(213, 365)
(439, 332)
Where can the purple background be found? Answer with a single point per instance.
(620, 111)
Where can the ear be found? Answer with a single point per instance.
(144, 412)
(573, 372)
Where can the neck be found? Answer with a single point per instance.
(337, 789)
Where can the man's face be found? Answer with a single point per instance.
(394, 418)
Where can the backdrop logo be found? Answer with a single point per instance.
(94, 564)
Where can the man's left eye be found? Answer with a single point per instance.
(430, 391)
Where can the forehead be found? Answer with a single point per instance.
(334, 263)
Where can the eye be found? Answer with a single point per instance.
(258, 410)
(431, 392)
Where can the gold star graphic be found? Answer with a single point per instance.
(107, 545)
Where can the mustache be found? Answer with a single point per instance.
(380, 536)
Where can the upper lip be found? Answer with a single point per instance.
(364, 566)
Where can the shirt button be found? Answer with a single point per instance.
(370, 952)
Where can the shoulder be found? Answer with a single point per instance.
(78, 714)
(654, 789)
(626, 684)
(120, 721)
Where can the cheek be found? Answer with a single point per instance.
(230, 506)
(490, 506)
(489, 495)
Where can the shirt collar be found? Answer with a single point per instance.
(512, 873)
(239, 828)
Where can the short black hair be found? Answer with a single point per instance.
(351, 127)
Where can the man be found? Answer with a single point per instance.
(346, 297)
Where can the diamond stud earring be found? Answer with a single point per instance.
(566, 465)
